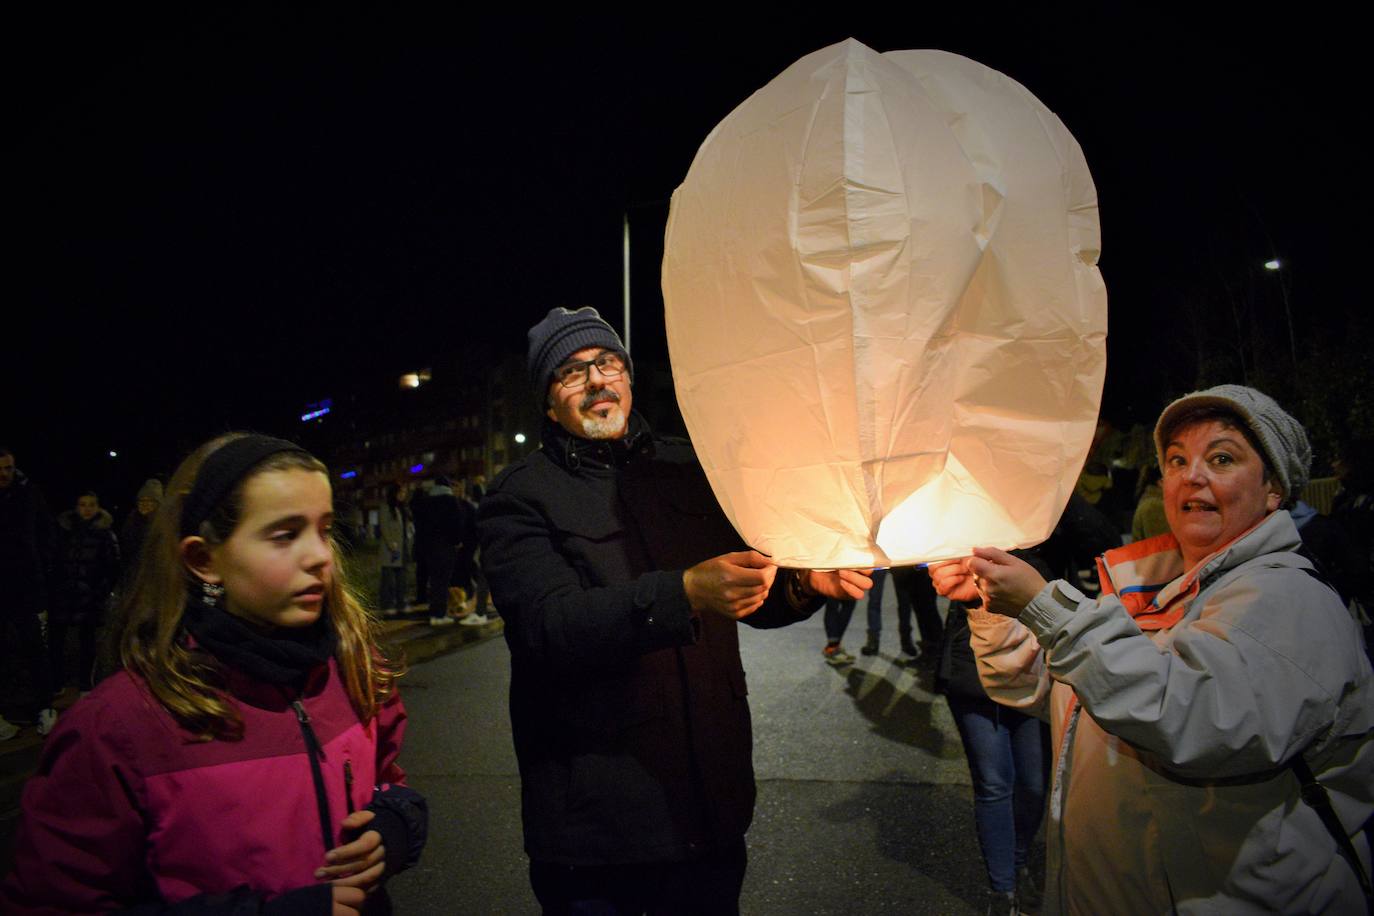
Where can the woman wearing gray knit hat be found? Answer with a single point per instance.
(1204, 706)
(136, 525)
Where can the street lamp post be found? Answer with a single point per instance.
(1275, 266)
(625, 276)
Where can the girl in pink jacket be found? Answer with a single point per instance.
(244, 759)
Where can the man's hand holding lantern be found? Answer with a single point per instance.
(736, 584)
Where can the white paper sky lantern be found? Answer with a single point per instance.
(886, 323)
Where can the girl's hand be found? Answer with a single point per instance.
(1007, 583)
(358, 864)
(348, 901)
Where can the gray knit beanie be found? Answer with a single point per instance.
(151, 489)
(561, 334)
(1280, 437)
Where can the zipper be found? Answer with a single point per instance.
(314, 752)
(348, 784)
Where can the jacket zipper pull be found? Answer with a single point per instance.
(314, 752)
(348, 784)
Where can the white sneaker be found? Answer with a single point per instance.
(442, 621)
(475, 620)
(7, 731)
(46, 720)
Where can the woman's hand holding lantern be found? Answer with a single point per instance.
(1002, 583)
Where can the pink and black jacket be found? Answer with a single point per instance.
(128, 810)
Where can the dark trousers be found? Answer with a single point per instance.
(1007, 762)
(443, 558)
(17, 613)
(421, 573)
(57, 653)
(391, 594)
(875, 602)
(479, 579)
(837, 614)
(915, 592)
(708, 886)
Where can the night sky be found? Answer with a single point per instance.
(219, 216)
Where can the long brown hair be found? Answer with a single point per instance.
(184, 680)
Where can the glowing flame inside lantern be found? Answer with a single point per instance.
(886, 324)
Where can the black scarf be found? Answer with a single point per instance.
(286, 657)
(575, 451)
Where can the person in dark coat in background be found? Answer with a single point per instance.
(915, 595)
(620, 582)
(412, 498)
(26, 551)
(391, 537)
(136, 525)
(467, 550)
(1353, 510)
(471, 561)
(87, 568)
(446, 526)
(1330, 548)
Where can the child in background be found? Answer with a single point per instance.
(87, 567)
(244, 759)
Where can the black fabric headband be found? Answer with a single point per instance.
(224, 468)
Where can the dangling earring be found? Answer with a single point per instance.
(211, 594)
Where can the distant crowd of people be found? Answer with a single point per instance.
(432, 524)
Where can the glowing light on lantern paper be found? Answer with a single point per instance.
(886, 322)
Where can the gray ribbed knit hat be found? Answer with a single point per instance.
(151, 489)
(561, 334)
(1281, 438)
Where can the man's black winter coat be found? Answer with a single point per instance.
(629, 712)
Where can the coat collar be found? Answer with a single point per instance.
(573, 452)
(1150, 580)
(70, 521)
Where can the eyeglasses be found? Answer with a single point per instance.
(575, 375)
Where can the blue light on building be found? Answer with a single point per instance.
(415, 469)
(348, 475)
(317, 410)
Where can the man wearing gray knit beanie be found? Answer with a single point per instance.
(593, 408)
(621, 583)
